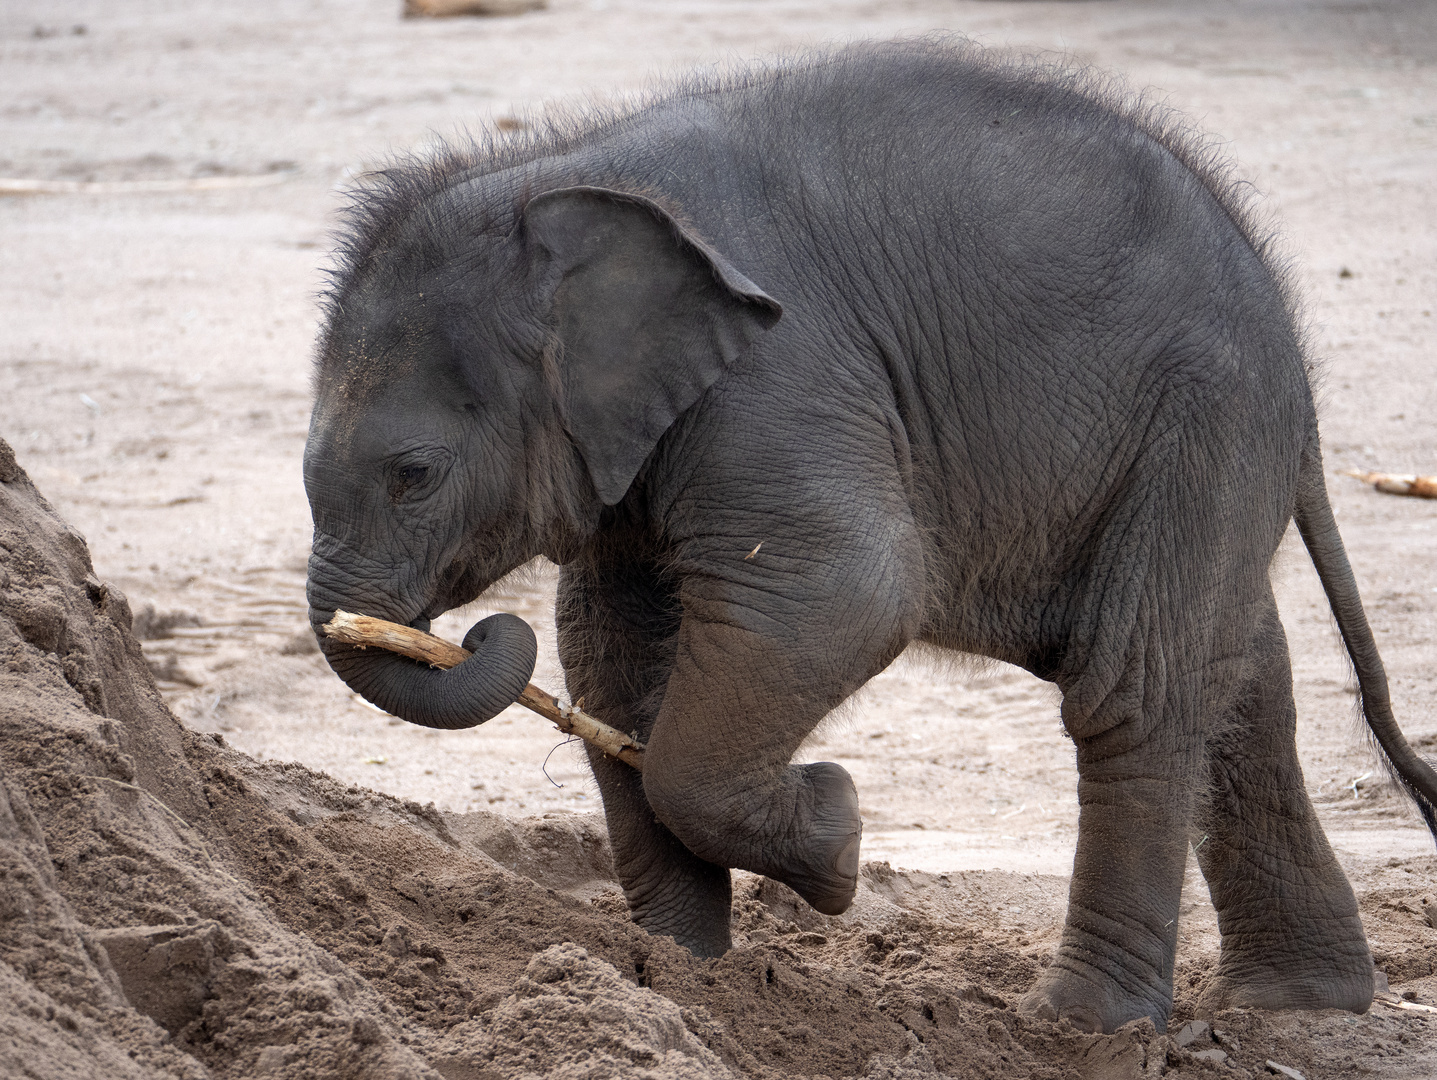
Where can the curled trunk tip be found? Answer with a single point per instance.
(504, 654)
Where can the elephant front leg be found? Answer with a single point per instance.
(616, 629)
(669, 889)
(741, 699)
(720, 781)
(1291, 936)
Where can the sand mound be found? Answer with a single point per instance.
(171, 907)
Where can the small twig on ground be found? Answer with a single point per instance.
(362, 630)
(1357, 784)
(1423, 487)
(544, 768)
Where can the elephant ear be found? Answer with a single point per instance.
(649, 317)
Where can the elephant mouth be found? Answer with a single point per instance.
(456, 586)
(503, 647)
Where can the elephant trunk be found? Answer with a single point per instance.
(477, 690)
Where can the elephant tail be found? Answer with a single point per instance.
(1315, 522)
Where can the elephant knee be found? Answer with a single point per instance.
(686, 811)
(802, 828)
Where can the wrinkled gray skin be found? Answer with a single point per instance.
(980, 361)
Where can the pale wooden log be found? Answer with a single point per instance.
(444, 9)
(574, 721)
(364, 631)
(1392, 1001)
(1422, 487)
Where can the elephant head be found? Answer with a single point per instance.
(487, 383)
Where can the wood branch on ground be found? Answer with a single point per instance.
(1392, 1001)
(445, 9)
(1423, 487)
(364, 631)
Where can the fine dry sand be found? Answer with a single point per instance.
(287, 882)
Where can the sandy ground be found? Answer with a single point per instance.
(155, 354)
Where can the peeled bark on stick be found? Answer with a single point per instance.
(364, 631)
(1423, 487)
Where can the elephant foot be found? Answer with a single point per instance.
(1324, 982)
(1092, 1002)
(824, 870)
(694, 910)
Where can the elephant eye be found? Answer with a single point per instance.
(406, 477)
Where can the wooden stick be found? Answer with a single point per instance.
(1423, 487)
(363, 631)
(1392, 1001)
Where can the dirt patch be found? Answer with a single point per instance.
(172, 907)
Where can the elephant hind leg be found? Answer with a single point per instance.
(1115, 960)
(1132, 699)
(1291, 937)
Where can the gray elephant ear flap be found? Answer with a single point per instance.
(650, 317)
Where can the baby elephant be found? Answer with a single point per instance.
(980, 357)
